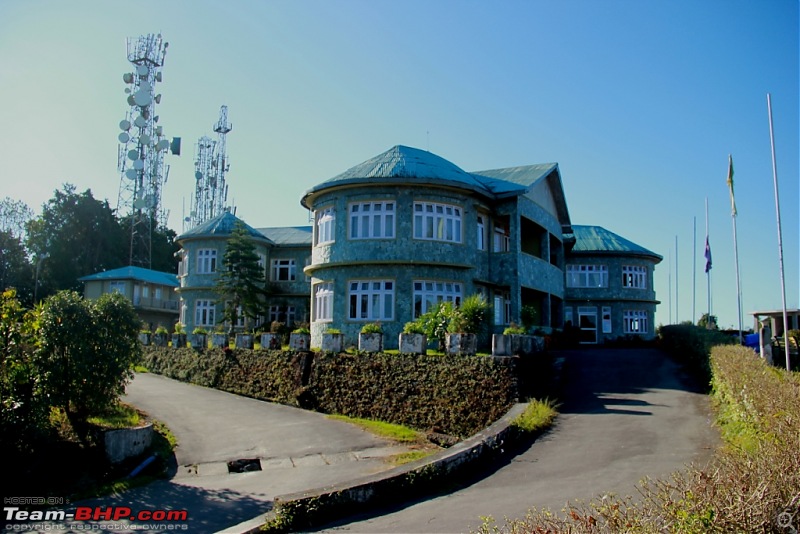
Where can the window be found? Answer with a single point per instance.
(239, 315)
(634, 322)
(634, 276)
(283, 270)
(437, 222)
(606, 319)
(372, 220)
(184, 309)
(323, 302)
(587, 276)
(568, 320)
(157, 293)
(481, 232)
(204, 313)
(206, 261)
(428, 293)
(116, 287)
(372, 300)
(282, 314)
(326, 220)
(183, 266)
(502, 239)
(502, 308)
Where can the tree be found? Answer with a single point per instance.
(162, 246)
(14, 216)
(15, 268)
(709, 322)
(78, 235)
(87, 350)
(241, 282)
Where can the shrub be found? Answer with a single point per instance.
(514, 330)
(372, 328)
(161, 330)
(691, 346)
(199, 331)
(413, 327)
(332, 331)
(301, 330)
(470, 316)
(178, 328)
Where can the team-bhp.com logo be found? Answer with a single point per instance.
(161, 519)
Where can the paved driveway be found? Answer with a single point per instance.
(627, 414)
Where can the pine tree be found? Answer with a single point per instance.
(241, 282)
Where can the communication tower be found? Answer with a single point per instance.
(211, 164)
(143, 147)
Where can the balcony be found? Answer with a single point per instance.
(156, 304)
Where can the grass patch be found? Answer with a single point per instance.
(140, 369)
(399, 433)
(120, 415)
(410, 456)
(538, 415)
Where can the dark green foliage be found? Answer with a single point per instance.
(453, 395)
(691, 345)
(241, 282)
(87, 351)
(15, 269)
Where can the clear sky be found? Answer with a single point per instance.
(640, 104)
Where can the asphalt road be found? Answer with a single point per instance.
(627, 414)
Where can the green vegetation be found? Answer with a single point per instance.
(410, 456)
(514, 330)
(120, 415)
(372, 328)
(691, 346)
(538, 415)
(394, 432)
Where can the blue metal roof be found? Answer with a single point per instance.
(288, 235)
(220, 226)
(598, 240)
(135, 273)
(514, 179)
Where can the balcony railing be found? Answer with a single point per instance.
(156, 304)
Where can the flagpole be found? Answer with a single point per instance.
(735, 245)
(694, 268)
(708, 268)
(780, 238)
(677, 301)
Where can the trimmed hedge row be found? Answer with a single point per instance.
(691, 346)
(455, 395)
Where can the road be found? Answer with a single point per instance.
(627, 414)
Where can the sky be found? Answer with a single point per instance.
(640, 104)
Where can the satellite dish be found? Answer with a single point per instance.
(175, 146)
(130, 174)
(140, 121)
(139, 203)
(125, 125)
(131, 101)
(138, 165)
(155, 119)
(144, 139)
(127, 77)
(144, 86)
(142, 98)
(142, 70)
(127, 90)
(198, 175)
(162, 145)
(133, 154)
(124, 137)
(158, 98)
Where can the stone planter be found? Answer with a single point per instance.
(270, 341)
(461, 343)
(413, 344)
(178, 341)
(299, 342)
(332, 342)
(219, 339)
(160, 340)
(244, 341)
(501, 345)
(144, 338)
(522, 345)
(372, 342)
(198, 341)
(124, 443)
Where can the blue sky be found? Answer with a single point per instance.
(639, 102)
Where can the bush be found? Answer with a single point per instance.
(691, 346)
(372, 328)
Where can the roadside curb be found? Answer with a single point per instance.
(321, 505)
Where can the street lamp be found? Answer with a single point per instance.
(39, 259)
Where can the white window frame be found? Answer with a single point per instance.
(634, 277)
(606, 319)
(635, 322)
(323, 302)
(501, 241)
(116, 286)
(587, 276)
(275, 313)
(372, 220)
(206, 260)
(183, 265)
(502, 308)
(287, 266)
(437, 222)
(325, 221)
(239, 316)
(481, 232)
(429, 293)
(371, 300)
(205, 312)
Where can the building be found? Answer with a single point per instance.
(151, 292)
(394, 235)
(610, 290)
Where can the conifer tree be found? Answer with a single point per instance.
(241, 282)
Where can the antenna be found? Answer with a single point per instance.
(210, 164)
(143, 147)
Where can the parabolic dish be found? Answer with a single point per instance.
(142, 70)
(133, 154)
(144, 86)
(144, 139)
(127, 90)
(124, 137)
(142, 98)
(162, 145)
(138, 165)
(130, 100)
(127, 77)
(139, 203)
(140, 121)
(130, 174)
(198, 175)
(125, 125)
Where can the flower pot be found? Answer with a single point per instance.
(160, 340)
(522, 345)
(413, 344)
(198, 341)
(178, 341)
(244, 341)
(332, 342)
(461, 343)
(502, 345)
(270, 341)
(372, 342)
(219, 339)
(144, 338)
(299, 342)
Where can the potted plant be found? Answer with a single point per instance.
(199, 337)
(178, 336)
(145, 336)
(507, 343)
(413, 339)
(300, 339)
(219, 338)
(160, 336)
(332, 340)
(465, 325)
(273, 340)
(244, 340)
(370, 339)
